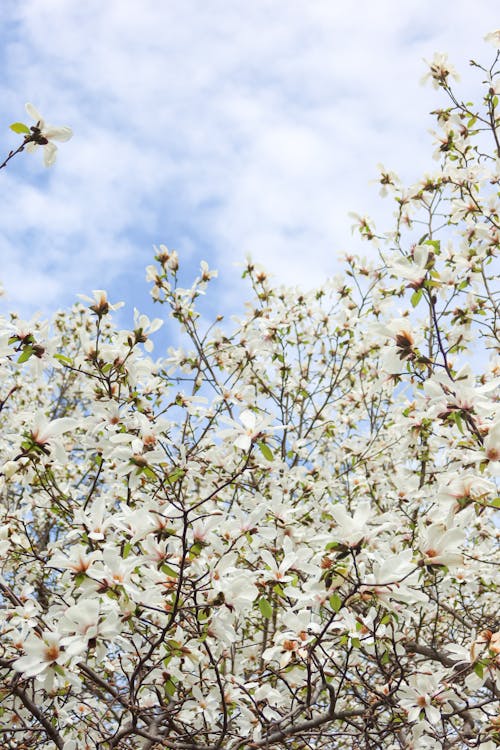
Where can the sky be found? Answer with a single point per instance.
(220, 129)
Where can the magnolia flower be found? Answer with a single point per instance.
(144, 327)
(207, 704)
(440, 70)
(493, 38)
(440, 546)
(100, 303)
(46, 434)
(420, 695)
(403, 346)
(40, 653)
(84, 622)
(350, 530)
(44, 134)
(237, 584)
(413, 267)
(252, 428)
(394, 579)
(485, 642)
(492, 442)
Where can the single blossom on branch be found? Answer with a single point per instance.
(40, 135)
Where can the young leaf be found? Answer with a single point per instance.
(20, 127)
(168, 571)
(62, 358)
(265, 608)
(335, 602)
(170, 687)
(25, 354)
(416, 297)
(266, 451)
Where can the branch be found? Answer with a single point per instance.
(412, 647)
(38, 715)
(102, 683)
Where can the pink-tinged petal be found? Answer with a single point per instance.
(34, 113)
(58, 134)
(49, 154)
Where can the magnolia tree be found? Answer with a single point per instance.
(282, 534)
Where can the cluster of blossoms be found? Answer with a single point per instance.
(280, 535)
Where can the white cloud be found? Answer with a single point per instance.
(216, 128)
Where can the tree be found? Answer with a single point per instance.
(282, 535)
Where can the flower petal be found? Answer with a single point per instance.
(34, 113)
(248, 419)
(243, 442)
(57, 134)
(49, 154)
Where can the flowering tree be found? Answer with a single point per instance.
(281, 535)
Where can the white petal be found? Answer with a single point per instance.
(49, 154)
(421, 255)
(58, 426)
(29, 665)
(244, 442)
(57, 134)
(248, 419)
(34, 113)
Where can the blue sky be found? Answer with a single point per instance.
(217, 128)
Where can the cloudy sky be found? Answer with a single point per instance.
(219, 128)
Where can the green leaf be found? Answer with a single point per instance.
(455, 415)
(20, 127)
(170, 687)
(149, 472)
(265, 608)
(266, 451)
(62, 358)
(174, 475)
(416, 297)
(436, 244)
(335, 602)
(479, 669)
(25, 354)
(168, 571)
